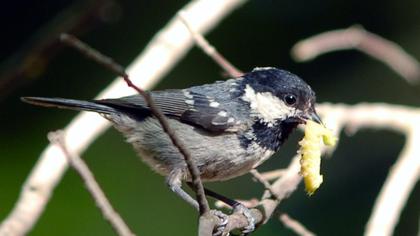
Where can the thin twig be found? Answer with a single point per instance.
(406, 171)
(282, 188)
(400, 181)
(164, 50)
(295, 225)
(273, 174)
(355, 37)
(119, 70)
(117, 223)
(210, 50)
(206, 224)
(250, 203)
(264, 182)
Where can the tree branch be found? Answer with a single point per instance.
(281, 188)
(402, 63)
(263, 181)
(117, 223)
(295, 225)
(166, 48)
(355, 37)
(400, 181)
(406, 171)
(209, 50)
(119, 70)
(273, 174)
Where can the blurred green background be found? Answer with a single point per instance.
(260, 33)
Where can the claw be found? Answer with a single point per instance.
(247, 213)
(220, 229)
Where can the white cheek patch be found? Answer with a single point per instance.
(267, 106)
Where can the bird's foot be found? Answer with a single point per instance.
(247, 213)
(219, 230)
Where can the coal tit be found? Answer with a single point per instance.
(229, 126)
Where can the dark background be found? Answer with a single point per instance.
(260, 33)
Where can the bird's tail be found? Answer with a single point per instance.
(72, 104)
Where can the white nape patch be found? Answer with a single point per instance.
(214, 104)
(187, 94)
(189, 102)
(266, 106)
(222, 113)
(263, 68)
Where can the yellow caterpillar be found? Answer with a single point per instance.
(310, 151)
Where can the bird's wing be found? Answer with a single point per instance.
(187, 106)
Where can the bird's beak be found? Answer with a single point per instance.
(312, 115)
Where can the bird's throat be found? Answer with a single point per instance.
(270, 136)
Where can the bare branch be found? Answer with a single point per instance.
(251, 203)
(93, 54)
(166, 48)
(369, 43)
(356, 37)
(282, 188)
(210, 50)
(406, 171)
(264, 182)
(295, 225)
(400, 181)
(273, 174)
(285, 186)
(207, 223)
(102, 202)
(119, 70)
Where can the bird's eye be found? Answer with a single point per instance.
(290, 99)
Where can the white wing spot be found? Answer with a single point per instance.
(188, 94)
(263, 68)
(230, 120)
(190, 102)
(214, 104)
(222, 113)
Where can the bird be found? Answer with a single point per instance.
(229, 127)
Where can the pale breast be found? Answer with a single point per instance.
(218, 157)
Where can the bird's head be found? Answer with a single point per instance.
(278, 96)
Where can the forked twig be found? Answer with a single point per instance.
(405, 173)
(405, 65)
(295, 225)
(281, 188)
(263, 181)
(273, 174)
(117, 223)
(119, 70)
(164, 50)
(210, 50)
(355, 37)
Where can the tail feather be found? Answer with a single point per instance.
(72, 104)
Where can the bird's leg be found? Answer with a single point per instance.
(174, 183)
(237, 207)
